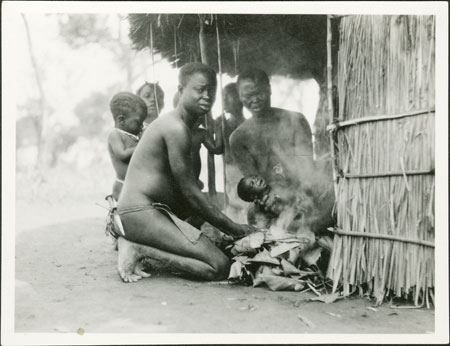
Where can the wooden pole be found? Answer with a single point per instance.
(331, 116)
(208, 118)
(153, 68)
(42, 123)
(222, 122)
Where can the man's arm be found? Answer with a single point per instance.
(240, 153)
(215, 147)
(118, 147)
(178, 142)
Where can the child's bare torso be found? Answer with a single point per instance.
(121, 166)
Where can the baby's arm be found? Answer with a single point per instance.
(213, 146)
(118, 147)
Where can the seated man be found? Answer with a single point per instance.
(257, 143)
(276, 144)
(129, 112)
(161, 191)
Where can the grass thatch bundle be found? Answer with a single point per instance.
(386, 190)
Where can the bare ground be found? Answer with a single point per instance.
(66, 279)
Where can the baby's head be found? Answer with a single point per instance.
(129, 112)
(153, 96)
(252, 187)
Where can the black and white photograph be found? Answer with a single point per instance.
(224, 172)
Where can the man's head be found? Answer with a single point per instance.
(231, 102)
(251, 188)
(254, 91)
(197, 88)
(153, 96)
(129, 112)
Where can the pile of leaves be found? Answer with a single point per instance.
(284, 262)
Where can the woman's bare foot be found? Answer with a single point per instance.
(128, 264)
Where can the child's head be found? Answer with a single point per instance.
(231, 102)
(251, 188)
(153, 96)
(197, 87)
(129, 112)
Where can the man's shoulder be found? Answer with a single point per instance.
(246, 125)
(169, 122)
(243, 129)
(289, 113)
(294, 117)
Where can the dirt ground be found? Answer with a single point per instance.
(66, 279)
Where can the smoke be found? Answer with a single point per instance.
(313, 199)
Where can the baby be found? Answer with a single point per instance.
(153, 96)
(267, 205)
(129, 112)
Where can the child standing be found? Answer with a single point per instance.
(129, 112)
(153, 96)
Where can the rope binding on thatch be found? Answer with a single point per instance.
(336, 125)
(385, 174)
(382, 236)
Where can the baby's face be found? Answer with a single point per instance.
(255, 185)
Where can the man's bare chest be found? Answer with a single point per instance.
(265, 137)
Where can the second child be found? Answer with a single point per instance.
(128, 111)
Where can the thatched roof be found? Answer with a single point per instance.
(292, 45)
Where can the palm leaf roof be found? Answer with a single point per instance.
(290, 45)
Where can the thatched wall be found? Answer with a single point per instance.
(386, 165)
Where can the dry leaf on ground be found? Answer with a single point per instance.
(327, 298)
(264, 257)
(278, 283)
(289, 268)
(312, 256)
(283, 247)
